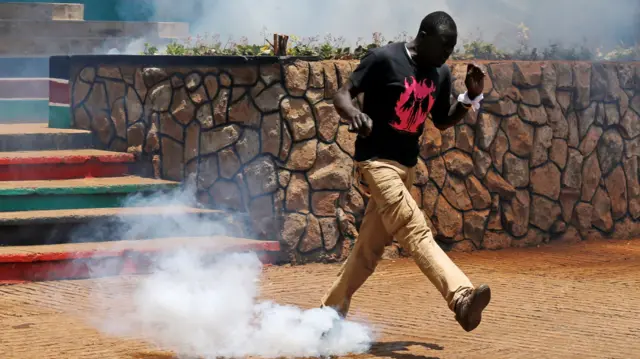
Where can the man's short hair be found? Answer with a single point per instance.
(432, 23)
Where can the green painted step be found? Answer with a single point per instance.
(107, 192)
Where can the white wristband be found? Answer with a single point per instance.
(475, 103)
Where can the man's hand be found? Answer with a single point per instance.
(358, 121)
(361, 123)
(474, 81)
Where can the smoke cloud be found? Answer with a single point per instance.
(211, 311)
(594, 22)
(202, 306)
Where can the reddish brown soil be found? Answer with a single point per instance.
(552, 302)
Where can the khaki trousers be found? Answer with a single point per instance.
(393, 213)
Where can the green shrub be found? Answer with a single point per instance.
(479, 50)
(332, 48)
(623, 54)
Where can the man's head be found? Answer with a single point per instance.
(437, 37)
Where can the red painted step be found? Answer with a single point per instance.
(82, 260)
(62, 164)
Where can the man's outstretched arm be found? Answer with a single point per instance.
(453, 115)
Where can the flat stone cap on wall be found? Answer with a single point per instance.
(177, 61)
(41, 11)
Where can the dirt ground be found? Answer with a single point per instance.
(551, 302)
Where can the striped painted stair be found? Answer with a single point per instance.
(24, 90)
(63, 164)
(39, 137)
(59, 99)
(66, 209)
(21, 264)
(114, 224)
(76, 193)
(45, 29)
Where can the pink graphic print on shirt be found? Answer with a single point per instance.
(414, 105)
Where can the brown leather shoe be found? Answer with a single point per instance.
(470, 305)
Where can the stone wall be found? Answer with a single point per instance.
(552, 155)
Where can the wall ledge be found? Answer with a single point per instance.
(181, 61)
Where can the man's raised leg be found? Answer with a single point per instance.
(404, 220)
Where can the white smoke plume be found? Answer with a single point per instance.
(212, 311)
(206, 307)
(569, 22)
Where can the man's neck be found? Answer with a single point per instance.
(412, 47)
(412, 50)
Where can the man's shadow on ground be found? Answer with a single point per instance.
(400, 349)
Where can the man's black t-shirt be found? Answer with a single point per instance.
(398, 96)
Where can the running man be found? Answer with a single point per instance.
(402, 83)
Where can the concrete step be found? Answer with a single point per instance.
(24, 29)
(41, 11)
(44, 45)
(106, 192)
(63, 164)
(28, 228)
(38, 137)
(92, 260)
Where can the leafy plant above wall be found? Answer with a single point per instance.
(332, 48)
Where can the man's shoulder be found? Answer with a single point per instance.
(386, 52)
